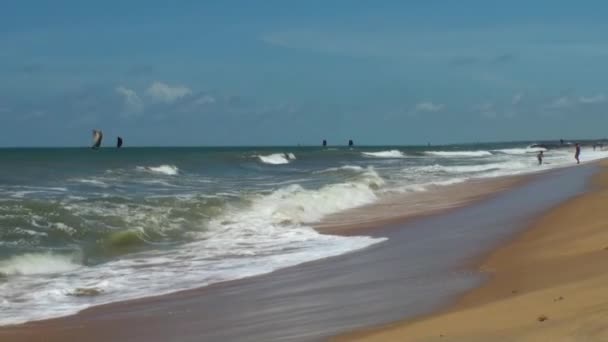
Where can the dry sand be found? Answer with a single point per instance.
(550, 284)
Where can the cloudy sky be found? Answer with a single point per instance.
(288, 72)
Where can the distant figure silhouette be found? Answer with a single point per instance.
(350, 143)
(577, 153)
(118, 142)
(561, 141)
(539, 156)
(324, 143)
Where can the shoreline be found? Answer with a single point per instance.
(545, 284)
(396, 209)
(314, 281)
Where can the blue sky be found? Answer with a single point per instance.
(287, 72)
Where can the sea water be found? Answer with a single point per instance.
(80, 227)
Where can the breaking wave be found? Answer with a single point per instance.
(517, 151)
(169, 170)
(277, 158)
(385, 154)
(33, 263)
(459, 153)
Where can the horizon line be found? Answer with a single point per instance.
(308, 145)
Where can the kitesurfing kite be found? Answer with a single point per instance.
(97, 137)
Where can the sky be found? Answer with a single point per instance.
(161, 73)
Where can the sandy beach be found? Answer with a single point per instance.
(547, 285)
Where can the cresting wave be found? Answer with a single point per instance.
(346, 168)
(296, 205)
(460, 169)
(169, 170)
(36, 264)
(277, 158)
(385, 154)
(517, 151)
(459, 153)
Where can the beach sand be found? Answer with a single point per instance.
(549, 284)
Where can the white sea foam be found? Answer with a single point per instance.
(277, 158)
(352, 168)
(385, 154)
(473, 168)
(294, 204)
(459, 153)
(25, 191)
(169, 170)
(32, 264)
(93, 182)
(525, 150)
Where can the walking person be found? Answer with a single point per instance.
(577, 153)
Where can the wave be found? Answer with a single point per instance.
(348, 168)
(93, 182)
(251, 236)
(295, 205)
(22, 191)
(169, 170)
(37, 263)
(459, 153)
(521, 150)
(506, 166)
(277, 158)
(385, 154)
(509, 165)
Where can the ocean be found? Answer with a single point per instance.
(80, 227)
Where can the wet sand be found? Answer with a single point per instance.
(416, 271)
(550, 284)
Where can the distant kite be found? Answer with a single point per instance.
(97, 138)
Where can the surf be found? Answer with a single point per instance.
(277, 158)
(459, 154)
(385, 154)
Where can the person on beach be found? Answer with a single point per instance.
(577, 153)
(539, 156)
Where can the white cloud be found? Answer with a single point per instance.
(599, 98)
(133, 104)
(428, 107)
(487, 110)
(562, 102)
(162, 92)
(517, 98)
(568, 102)
(205, 99)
